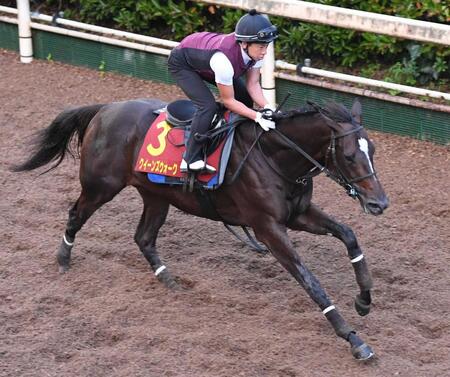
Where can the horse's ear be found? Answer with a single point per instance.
(356, 111)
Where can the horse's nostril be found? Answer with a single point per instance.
(374, 208)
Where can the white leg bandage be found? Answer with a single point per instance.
(329, 309)
(357, 259)
(67, 242)
(159, 270)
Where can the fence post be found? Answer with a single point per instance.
(25, 41)
(268, 74)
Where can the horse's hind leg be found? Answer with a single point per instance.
(153, 217)
(91, 199)
(313, 220)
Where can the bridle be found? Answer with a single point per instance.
(340, 178)
(344, 181)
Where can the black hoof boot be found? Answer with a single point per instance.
(361, 307)
(360, 350)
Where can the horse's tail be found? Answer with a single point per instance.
(54, 142)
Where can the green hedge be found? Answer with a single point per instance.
(379, 115)
(370, 55)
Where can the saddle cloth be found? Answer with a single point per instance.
(161, 153)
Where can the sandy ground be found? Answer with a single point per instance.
(242, 314)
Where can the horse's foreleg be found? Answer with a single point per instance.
(153, 217)
(89, 201)
(314, 220)
(274, 236)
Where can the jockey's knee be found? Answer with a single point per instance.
(204, 117)
(208, 109)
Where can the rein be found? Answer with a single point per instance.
(339, 178)
(299, 180)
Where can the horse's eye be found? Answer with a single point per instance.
(350, 158)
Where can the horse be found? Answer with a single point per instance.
(268, 185)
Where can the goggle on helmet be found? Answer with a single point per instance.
(255, 28)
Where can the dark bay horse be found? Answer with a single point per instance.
(271, 193)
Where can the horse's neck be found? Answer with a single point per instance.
(309, 132)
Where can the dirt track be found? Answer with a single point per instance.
(242, 315)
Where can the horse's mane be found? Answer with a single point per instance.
(335, 111)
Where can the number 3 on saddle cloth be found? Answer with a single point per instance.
(164, 144)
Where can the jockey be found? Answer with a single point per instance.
(221, 59)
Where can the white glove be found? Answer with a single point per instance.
(269, 110)
(265, 124)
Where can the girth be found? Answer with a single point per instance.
(209, 210)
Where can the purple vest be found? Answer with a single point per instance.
(198, 48)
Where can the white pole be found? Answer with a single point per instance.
(267, 75)
(8, 9)
(25, 41)
(96, 29)
(346, 18)
(100, 38)
(362, 80)
(104, 30)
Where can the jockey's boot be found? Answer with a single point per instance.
(196, 166)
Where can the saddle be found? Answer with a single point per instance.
(164, 144)
(180, 114)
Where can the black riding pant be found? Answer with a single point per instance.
(196, 89)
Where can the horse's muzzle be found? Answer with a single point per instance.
(375, 207)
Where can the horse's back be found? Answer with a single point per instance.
(124, 114)
(115, 135)
(119, 122)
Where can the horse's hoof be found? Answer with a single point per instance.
(64, 268)
(262, 250)
(169, 282)
(361, 308)
(362, 352)
(63, 257)
(173, 286)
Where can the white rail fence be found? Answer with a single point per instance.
(346, 18)
(163, 47)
